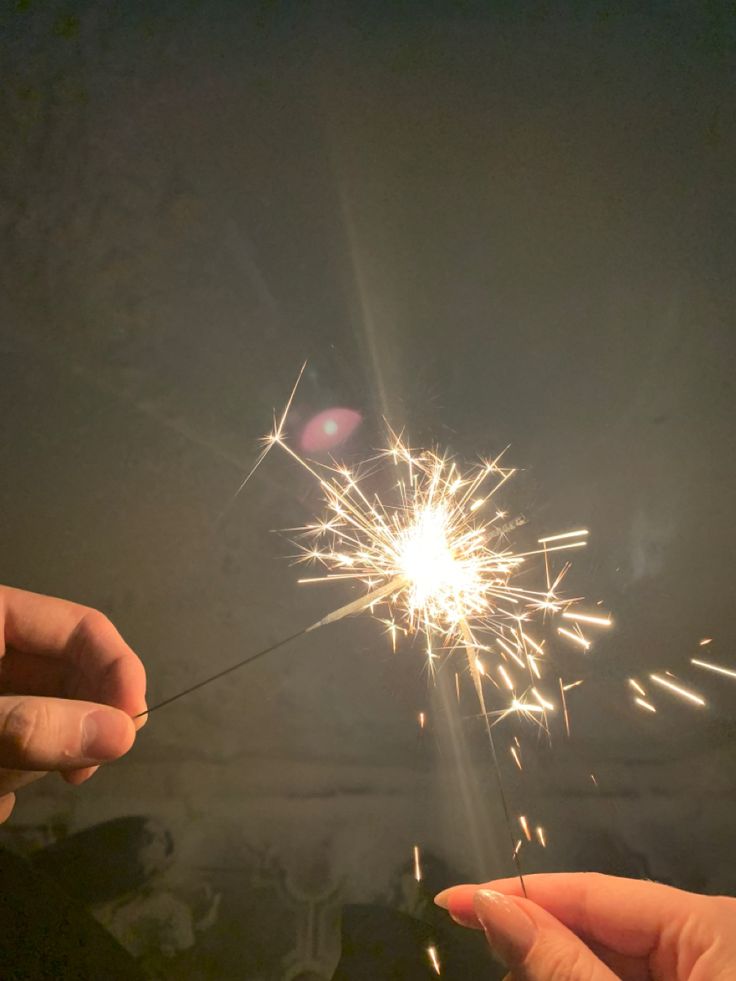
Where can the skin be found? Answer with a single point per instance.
(590, 927)
(69, 686)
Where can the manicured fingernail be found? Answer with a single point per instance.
(105, 734)
(441, 899)
(466, 918)
(509, 930)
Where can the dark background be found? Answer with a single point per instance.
(491, 223)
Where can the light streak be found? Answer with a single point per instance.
(576, 638)
(422, 720)
(704, 641)
(677, 689)
(515, 754)
(713, 667)
(566, 534)
(518, 847)
(525, 827)
(517, 706)
(587, 618)
(541, 837)
(543, 701)
(530, 640)
(417, 864)
(430, 566)
(645, 704)
(637, 687)
(434, 958)
(565, 715)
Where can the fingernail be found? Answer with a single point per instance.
(464, 918)
(105, 734)
(509, 930)
(469, 919)
(441, 899)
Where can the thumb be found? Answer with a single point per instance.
(532, 944)
(60, 734)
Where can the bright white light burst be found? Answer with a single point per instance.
(431, 552)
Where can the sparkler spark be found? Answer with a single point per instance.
(432, 565)
(417, 864)
(677, 689)
(576, 638)
(525, 827)
(434, 958)
(645, 704)
(713, 667)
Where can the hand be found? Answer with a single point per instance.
(69, 685)
(589, 927)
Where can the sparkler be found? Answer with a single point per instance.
(430, 551)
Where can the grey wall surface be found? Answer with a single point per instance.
(490, 224)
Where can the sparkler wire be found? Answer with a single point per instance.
(221, 674)
(356, 606)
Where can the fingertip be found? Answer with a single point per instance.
(107, 734)
(458, 901)
(442, 899)
(450, 895)
(509, 925)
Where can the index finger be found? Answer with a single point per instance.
(625, 915)
(37, 624)
(107, 670)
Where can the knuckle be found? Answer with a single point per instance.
(19, 727)
(94, 624)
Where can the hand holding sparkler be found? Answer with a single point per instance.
(69, 685)
(637, 929)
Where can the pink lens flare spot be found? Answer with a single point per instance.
(328, 429)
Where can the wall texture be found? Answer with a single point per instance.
(491, 227)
